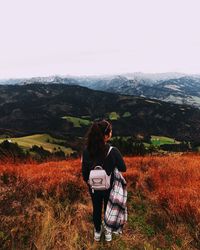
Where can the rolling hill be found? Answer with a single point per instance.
(41, 140)
(65, 111)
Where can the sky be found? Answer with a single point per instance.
(95, 37)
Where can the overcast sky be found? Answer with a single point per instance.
(88, 37)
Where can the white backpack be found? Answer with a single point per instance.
(98, 179)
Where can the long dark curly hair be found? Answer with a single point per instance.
(95, 138)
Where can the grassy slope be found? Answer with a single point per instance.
(126, 114)
(113, 116)
(159, 140)
(44, 140)
(49, 143)
(77, 122)
(59, 210)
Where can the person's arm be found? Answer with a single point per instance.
(120, 164)
(85, 166)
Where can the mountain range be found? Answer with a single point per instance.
(169, 87)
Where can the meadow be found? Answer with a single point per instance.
(47, 206)
(41, 140)
(77, 122)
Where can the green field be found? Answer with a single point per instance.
(46, 141)
(160, 140)
(77, 122)
(126, 114)
(155, 141)
(113, 116)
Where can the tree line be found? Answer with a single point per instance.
(134, 146)
(10, 151)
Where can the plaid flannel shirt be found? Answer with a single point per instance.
(116, 210)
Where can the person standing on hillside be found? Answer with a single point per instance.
(98, 152)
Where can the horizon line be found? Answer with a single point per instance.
(98, 75)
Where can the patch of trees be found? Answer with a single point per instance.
(40, 154)
(134, 146)
(195, 146)
(181, 147)
(12, 152)
(128, 146)
(71, 142)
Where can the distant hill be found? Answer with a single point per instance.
(65, 111)
(41, 140)
(170, 87)
(184, 90)
(181, 89)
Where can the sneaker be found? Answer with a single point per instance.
(97, 235)
(108, 236)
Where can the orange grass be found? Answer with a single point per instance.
(52, 178)
(173, 182)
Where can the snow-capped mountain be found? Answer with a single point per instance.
(170, 87)
(182, 89)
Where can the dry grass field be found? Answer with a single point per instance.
(47, 206)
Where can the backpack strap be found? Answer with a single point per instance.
(109, 151)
